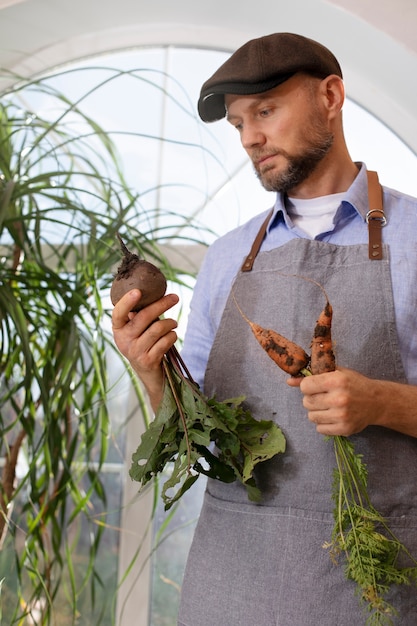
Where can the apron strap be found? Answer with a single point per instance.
(248, 262)
(375, 218)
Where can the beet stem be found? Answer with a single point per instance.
(123, 246)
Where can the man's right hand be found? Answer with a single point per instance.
(144, 339)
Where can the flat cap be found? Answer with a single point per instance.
(262, 64)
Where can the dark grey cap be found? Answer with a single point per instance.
(262, 64)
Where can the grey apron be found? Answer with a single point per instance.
(264, 564)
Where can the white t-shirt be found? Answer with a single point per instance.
(314, 215)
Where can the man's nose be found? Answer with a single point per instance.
(251, 136)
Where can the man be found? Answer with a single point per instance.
(264, 563)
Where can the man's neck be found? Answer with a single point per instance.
(330, 176)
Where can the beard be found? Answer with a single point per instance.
(299, 166)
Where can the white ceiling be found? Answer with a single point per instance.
(374, 39)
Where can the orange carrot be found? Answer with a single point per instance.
(288, 355)
(322, 356)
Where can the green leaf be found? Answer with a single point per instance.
(262, 441)
(187, 484)
(199, 437)
(185, 428)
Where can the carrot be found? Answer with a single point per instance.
(289, 356)
(322, 356)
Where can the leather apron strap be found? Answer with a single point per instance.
(375, 218)
(250, 259)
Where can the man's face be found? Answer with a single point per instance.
(284, 131)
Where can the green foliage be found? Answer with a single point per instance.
(63, 198)
(361, 534)
(186, 425)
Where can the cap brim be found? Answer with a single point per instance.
(211, 104)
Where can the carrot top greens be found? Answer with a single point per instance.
(361, 533)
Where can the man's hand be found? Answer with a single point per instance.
(143, 339)
(345, 402)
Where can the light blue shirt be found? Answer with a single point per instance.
(225, 257)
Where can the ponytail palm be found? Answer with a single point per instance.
(63, 199)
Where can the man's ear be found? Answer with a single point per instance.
(332, 89)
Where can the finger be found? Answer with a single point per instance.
(328, 430)
(121, 313)
(156, 352)
(316, 401)
(160, 335)
(318, 383)
(334, 429)
(294, 381)
(153, 312)
(320, 417)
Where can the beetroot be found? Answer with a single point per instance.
(136, 273)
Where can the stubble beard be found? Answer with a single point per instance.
(299, 167)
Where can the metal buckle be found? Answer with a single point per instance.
(382, 219)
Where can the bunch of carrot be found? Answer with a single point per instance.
(360, 532)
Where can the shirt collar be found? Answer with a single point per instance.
(356, 196)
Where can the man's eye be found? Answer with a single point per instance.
(264, 112)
